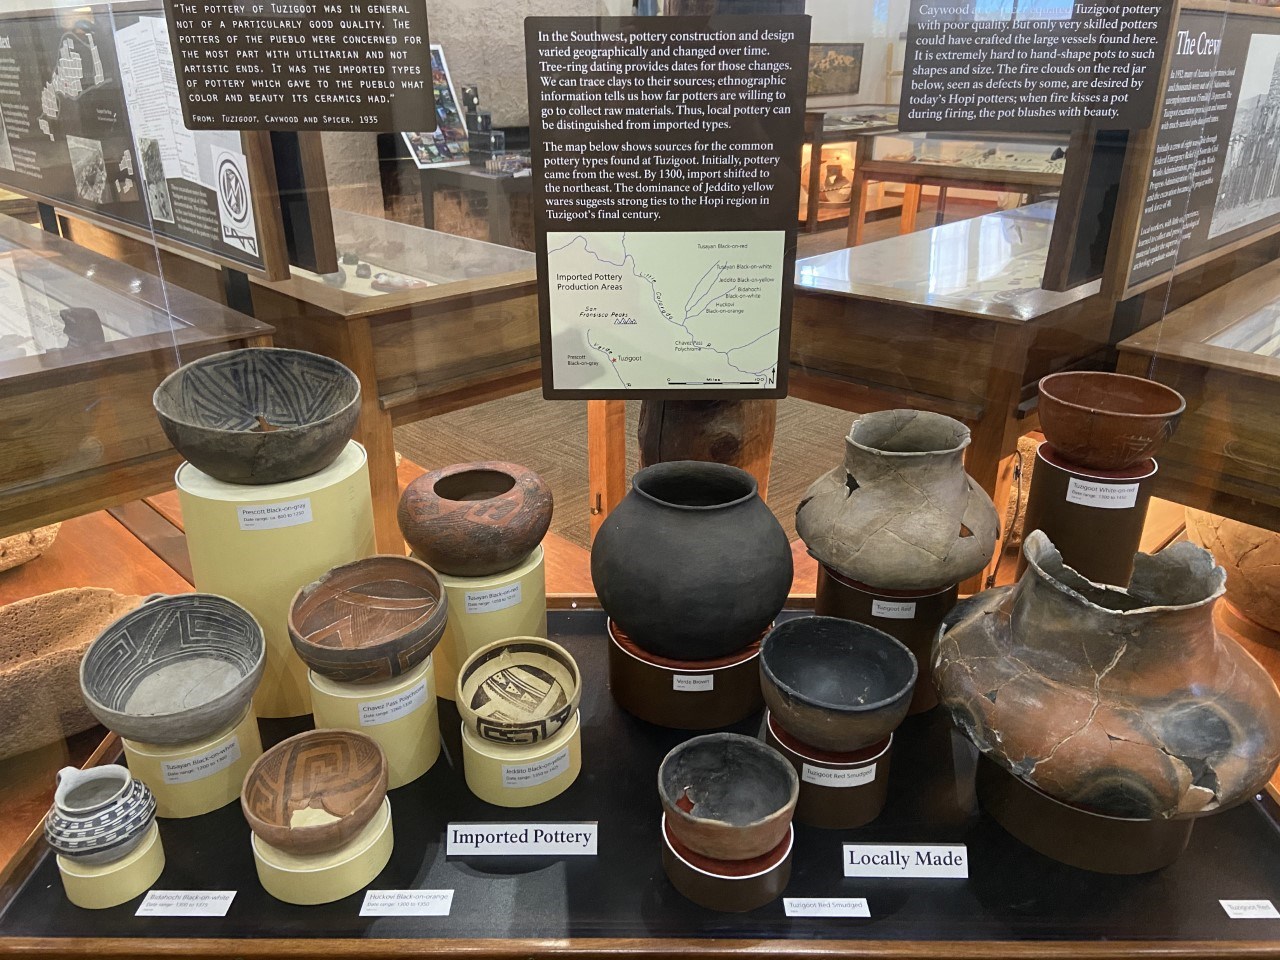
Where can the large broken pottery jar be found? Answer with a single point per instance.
(1123, 708)
(900, 513)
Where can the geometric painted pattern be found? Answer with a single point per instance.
(107, 833)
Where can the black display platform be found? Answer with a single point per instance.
(1012, 893)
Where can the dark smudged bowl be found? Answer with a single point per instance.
(260, 414)
(369, 620)
(1107, 421)
(727, 796)
(836, 684)
(314, 792)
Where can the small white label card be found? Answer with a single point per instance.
(499, 598)
(906, 860)
(185, 903)
(407, 903)
(202, 765)
(826, 777)
(826, 906)
(1105, 496)
(375, 712)
(569, 839)
(1250, 909)
(693, 683)
(272, 516)
(532, 774)
(894, 609)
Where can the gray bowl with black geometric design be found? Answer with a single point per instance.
(98, 815)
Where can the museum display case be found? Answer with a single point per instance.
(872, 577)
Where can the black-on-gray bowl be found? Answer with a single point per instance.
(260, 414)
(836, 684)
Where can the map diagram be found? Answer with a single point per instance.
(665, 310)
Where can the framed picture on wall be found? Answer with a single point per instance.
(834, 68)
(446, 146)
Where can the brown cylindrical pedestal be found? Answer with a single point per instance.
(838, 791)
(912, 618)
(683, 695)
(1074, 836)
(730, 886)
(1094, 518)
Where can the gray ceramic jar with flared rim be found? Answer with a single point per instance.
(692, 564)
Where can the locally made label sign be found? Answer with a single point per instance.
(893, 610)
(570, 839)
(826, 906)
(906, 860)
(693, 683)
(1250, 909)
(827, 777)
(1104, 496)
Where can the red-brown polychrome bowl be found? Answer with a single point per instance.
(1107, 421)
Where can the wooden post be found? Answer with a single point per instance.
(606, 458)
(737, 432)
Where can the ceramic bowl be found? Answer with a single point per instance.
(260, 414)
(175, 670)
(314, 792)
(836, 684)
(727, 796)
(1107, 421)
(370, 620)
(98, 814)
(475, 519)
(519, 690)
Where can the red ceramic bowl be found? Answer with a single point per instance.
(1107, 421)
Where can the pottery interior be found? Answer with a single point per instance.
(727, 796)
(315, 791)
(519, 690)
(98, 814)
(1107, 421)
(177, 669)
(369, 620)
(260, 414)
(835, 684)
(475, 519)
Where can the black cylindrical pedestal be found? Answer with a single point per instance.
(912, 618)
(1094, 517)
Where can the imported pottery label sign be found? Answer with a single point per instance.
(947, 860)
(202, 765)
(1105, 496)
(574, 839)
(375, 712)
(185, 903)
(1250, 909)
(532, 774)
(826, 777)
(489, 601)
(693, 683)
(893, 610)
(826, 906)
(407, 903)
(272, 516)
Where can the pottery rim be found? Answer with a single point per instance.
(873, 420)
(553, 651)
(66, 785)
(156, 397)
(674, 469)
(751, 743)
(1153, 386)
(871, 632)
(1038, 549)
(452, 473)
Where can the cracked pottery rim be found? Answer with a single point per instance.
(705, 468)
(751, 743)
(839, 708)
(279, 431)
(965, 433)
(1102, 411)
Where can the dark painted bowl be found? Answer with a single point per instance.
(727, 796)
(1107, 421)
(176, 670)
(475, 519)
(519, 690)
(836, 684)
(259, 415)
(314, 792)
(369, 620)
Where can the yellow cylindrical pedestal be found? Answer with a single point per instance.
(257, 545)
(483, 609)
(400, 714)
(522, 775)
(194, 778)
(325, 877)
(98, 886)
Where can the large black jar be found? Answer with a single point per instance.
(692, 564)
